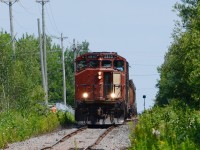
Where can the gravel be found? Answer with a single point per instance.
(39, 142)
(117, 139)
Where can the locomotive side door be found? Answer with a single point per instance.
(107, 84)
(117, 85)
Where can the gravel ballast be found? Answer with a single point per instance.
(117, 139)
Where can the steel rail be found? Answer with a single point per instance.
(100, 137)
(65, 138)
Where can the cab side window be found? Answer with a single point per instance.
(119, 65)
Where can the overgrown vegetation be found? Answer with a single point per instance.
(174, 122)
(20, 75)
(22, 110)
(16, 126)
(174, 127)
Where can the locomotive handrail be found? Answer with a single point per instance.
(95, 85)
(108, 89)
(116, 85)
(85, 84)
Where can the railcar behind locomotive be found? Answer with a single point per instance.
(103, 92)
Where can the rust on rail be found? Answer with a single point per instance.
(65, 137)
(100, 138)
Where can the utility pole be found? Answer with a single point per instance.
(44, 48)
(63, 67)
(42, 60)
(74, 49)
(10, 3)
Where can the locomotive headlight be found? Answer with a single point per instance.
(99, 75)
(112, 95)
(85, 95)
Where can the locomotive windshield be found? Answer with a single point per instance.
(93, 64)
(107, 63)
(81, 64)
(119, 65)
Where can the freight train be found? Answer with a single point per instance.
(104, 94)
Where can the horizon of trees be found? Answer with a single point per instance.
(180, 72)
(20, 76)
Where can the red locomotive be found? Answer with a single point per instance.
(103, 92)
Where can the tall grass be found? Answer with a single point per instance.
(174, 127)
(17, 126)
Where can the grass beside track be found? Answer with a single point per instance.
(17, 126)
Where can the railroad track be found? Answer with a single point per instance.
(100, 138)
(65, 137)
(64, 141)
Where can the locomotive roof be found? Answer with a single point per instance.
(101, 54)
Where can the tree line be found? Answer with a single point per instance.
(20, 75)
(180, 72)
(174, 122)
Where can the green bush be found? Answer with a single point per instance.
(172, 127)
(65, 117)
(16, 126)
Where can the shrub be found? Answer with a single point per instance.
(16, 126)
(175, 126)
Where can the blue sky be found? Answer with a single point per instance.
(140, 31)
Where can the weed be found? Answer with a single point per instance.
(178, 128)
(17, 126)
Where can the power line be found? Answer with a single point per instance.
(147, 65)
(145, 89)
(56, 28)
(47, 31)
(31, 13)
(51, 24)
(21, 26)
(144, 74)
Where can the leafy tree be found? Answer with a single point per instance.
(69, 64)
(5, 67)
(187, 9)
(180, 77)
(54, 69)
(19, 75)
(27, 89)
